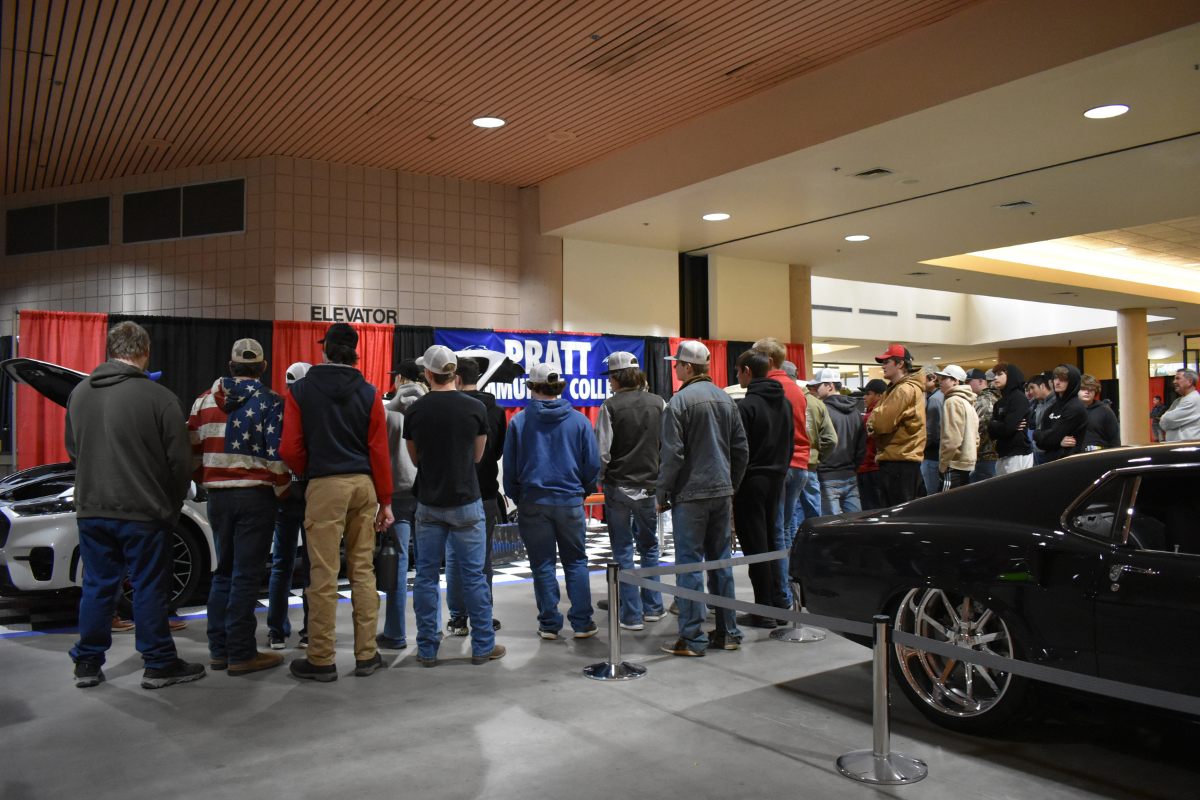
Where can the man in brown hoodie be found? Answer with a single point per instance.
(898, 424)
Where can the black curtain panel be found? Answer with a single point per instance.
(733, 351)
(410, 341)
(192, 352)
(657, 369)
(6, 397)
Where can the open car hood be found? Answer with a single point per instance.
(49, 380)
(493, 365)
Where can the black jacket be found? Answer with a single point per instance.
(335, 410)
(487, 469)
(851, 448)
(1066, 416)
(627, 436)
(1103, 430)
(1008, 414)
(770, 428)
(129, 443)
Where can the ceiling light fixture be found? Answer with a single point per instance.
(1117, 249)
(487, 122)
(858, 237)
(715, 217)
(1106, 112)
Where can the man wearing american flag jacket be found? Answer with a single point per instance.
(235, 429)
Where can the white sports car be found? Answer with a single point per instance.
(39, 538)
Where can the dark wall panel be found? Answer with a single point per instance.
(147, 216)
(29, 230)
(214, 208)
(82, 223)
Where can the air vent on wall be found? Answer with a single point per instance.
(1017, 204)
(879, 313)
(871, 174)
(937, 317)
(843, 309)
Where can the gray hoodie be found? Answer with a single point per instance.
(404, 472)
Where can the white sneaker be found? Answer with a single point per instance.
(637, 626)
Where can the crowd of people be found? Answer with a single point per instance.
(334, 462)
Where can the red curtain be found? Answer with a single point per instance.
(297, 341)
(795, 354)
(72, 340)
(718, 356)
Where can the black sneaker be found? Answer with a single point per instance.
(723, 641)
(303, 643)
(276, 641)
(547, 633)
(364, 668)
(87, 675)
(756, 621)
(427, 662)
(495, 624)
(303, 668)
(680, 648)
(388, 643)
(587, 632)
(457, 626)
(602, 605)
(179, 672)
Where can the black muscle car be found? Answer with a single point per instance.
(1089, 564)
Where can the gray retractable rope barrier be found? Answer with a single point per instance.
(879, 765)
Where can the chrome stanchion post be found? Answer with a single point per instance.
(880, 764)
(797, 632)
(614, 669)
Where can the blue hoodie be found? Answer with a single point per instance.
(550, 455)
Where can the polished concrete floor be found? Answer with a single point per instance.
(766, 721)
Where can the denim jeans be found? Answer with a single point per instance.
(404, 509)
(243, 523)
(932, 476)
(288, 529)
(790, 516)
(983, 470)
(702, 534)
(455, 604)
(107, 548)
(461, 527)
(810, 499)
(545, 529)
(633, 522)
(840, 496)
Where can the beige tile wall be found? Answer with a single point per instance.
(439, 250)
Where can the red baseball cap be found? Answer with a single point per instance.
(895, 351)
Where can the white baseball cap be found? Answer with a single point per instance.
(297, 371)
(691, 352)
(620, 360)
(544, 373)
(440, 360)
(953, 371)
(826, 375)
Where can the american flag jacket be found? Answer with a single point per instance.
(235, 429)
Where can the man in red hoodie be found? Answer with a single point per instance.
(797, 474)
(335, 432)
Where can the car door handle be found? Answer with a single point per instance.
(1114, 572)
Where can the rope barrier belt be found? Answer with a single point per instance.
(1071, 680)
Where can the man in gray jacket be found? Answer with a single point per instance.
(404, 509)
(129, 443)
(702, 457)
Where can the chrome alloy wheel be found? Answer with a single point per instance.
(947, 685)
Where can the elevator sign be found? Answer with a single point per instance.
(579, 358)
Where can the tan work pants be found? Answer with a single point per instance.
(340, 506)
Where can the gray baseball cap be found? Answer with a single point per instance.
(544, 373)
(439, 359)
(620, 360)
(691, 352)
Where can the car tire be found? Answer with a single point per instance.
(960, 697)
(189, 566)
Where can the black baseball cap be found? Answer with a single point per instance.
(876, 385)
(341, 333)
(408, 370)
(976, 375)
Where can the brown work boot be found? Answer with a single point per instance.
(497, 652)
(121, 625)
(176, 624)
(260, 662)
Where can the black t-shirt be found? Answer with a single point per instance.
(444, 426)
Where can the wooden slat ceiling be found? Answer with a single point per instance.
(395, 84)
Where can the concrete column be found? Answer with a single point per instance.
(540, 261)
(800, 300)
(1133, 355)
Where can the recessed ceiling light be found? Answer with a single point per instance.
(1117, 249)
(858, 237)
(715, 217)
(1106, 112)
(937, 358)
(487, 122)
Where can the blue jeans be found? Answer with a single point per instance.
(243, 523)
(983, 470)
(932, 476)
(107, 548)
(702, 534)
(545, 529)
(631, 521)
(455, 604)
(462, 528)
(288, 529)
(810, 498)
(404, 509)
(840, 496)
(790, 516)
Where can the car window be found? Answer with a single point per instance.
(1166, 511)
(1100, 511)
